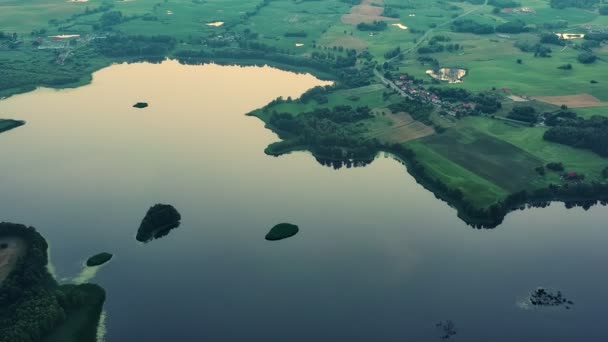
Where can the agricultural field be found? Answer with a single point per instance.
(379, 53)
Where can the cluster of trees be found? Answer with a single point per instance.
(418, 110)
(298, 34)
(561, 4)
(555, 166)
(470, 26)
(111, 18)
(327, 133)
(8, 36)
(318, 94)
(586, 58)
(591, 134)
(135, 46)
(538, 49)
(484, 103)
(504, 3)
(390, 12)
(374, 26)
(551, 38)
(435, 47)
(516, 26)
(524, 113)
(393, 53)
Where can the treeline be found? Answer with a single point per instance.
(318, 94)
(524, 113)
(135, 46)
(572, 194)
(571, 130)
(561, 4)
(374, 26)
(470, 26)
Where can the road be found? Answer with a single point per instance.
(428, 32)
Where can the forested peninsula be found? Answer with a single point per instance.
(33, 306)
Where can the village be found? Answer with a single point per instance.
(407, 86)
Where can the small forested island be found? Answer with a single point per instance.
(33, 306)
(7, 125)
(140, 105)
(543, 297)
(282, 231)
(99, 259)
(158, 222)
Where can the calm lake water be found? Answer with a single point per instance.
(378, 258)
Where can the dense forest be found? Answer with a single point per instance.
(568, 129)
(158, 222)
(32, 304)
(327, 133)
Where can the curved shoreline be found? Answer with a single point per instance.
(474, 216)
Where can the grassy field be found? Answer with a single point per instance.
(486, 159)
(479, 152)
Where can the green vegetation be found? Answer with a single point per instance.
(589, 134)
(140, 105)
(33, 306)
(282, 231)
(7, 125)
(99, 259)
(483, 145)
(158, 222)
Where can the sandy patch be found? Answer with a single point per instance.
(450, 75)
(11, 249)
(404, 129)
(569, 36)
(573, 101)
(65, 36)
(401, 26)
(516, 98)
(216, 24)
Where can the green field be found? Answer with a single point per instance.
(485, 158)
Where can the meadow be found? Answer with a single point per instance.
(485, 158)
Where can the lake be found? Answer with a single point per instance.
(377, 258)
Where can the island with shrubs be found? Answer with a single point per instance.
(158, 222)
(33, 305)
(99, 259)
(282, 231)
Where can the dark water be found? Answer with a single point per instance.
(378, 258)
